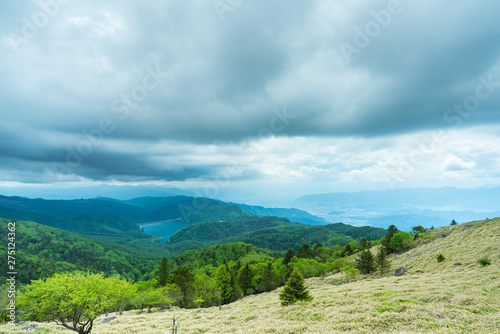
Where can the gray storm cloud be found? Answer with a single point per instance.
(86, 85)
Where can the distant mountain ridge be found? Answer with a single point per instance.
(108, 217)
(459, 198)
(434, 206)
(293, 214)
(407, 222)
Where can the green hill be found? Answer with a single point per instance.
(434, 297)
(42, 251)
(113, 219)
(282, 238)
(217, 254)
(212, 232)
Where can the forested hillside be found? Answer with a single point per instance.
(273, 233)
(42, 251)
(211, 232)
(216, 255)
(456, 294)
(116, 220)
(295, 215)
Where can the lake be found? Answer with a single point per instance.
(163, 228)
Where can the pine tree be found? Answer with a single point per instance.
(317, 249)
(235, 286)
(294, 290)
(268, 281)
(347, 250)
(162, 274)
(365, 262)
(386, 240)
(245, 277)
(305, 252)
(362, 245)
(288, 256)
(382, 262)
(223, 280)
(184, 279)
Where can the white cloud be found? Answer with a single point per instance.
(454, 163)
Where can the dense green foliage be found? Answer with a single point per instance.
(440, 258)
(349, 273)
(215, 231)
(418, 229)
(217, 254)
(294, 290)
(401, 241)
(386, 240)
(365, 262)
(109, 227)
(381, 260)
(221, 273)
(74, 300)
(116, 220)
(163, 273)
(281, 239)
(42, 251)
(484, 261)
(184, 279)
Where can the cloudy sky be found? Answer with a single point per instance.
(323, 95)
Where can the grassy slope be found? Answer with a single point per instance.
(443, 299)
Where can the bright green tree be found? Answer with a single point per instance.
(72, 300)
(206, 289)
(294, 290)
(401, 240)
(223, 280)
(349, 273)
(386, 240)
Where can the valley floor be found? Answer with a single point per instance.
(444, 298)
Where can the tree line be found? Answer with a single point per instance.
(82, 296)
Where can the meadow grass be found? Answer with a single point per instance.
(443, 298)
